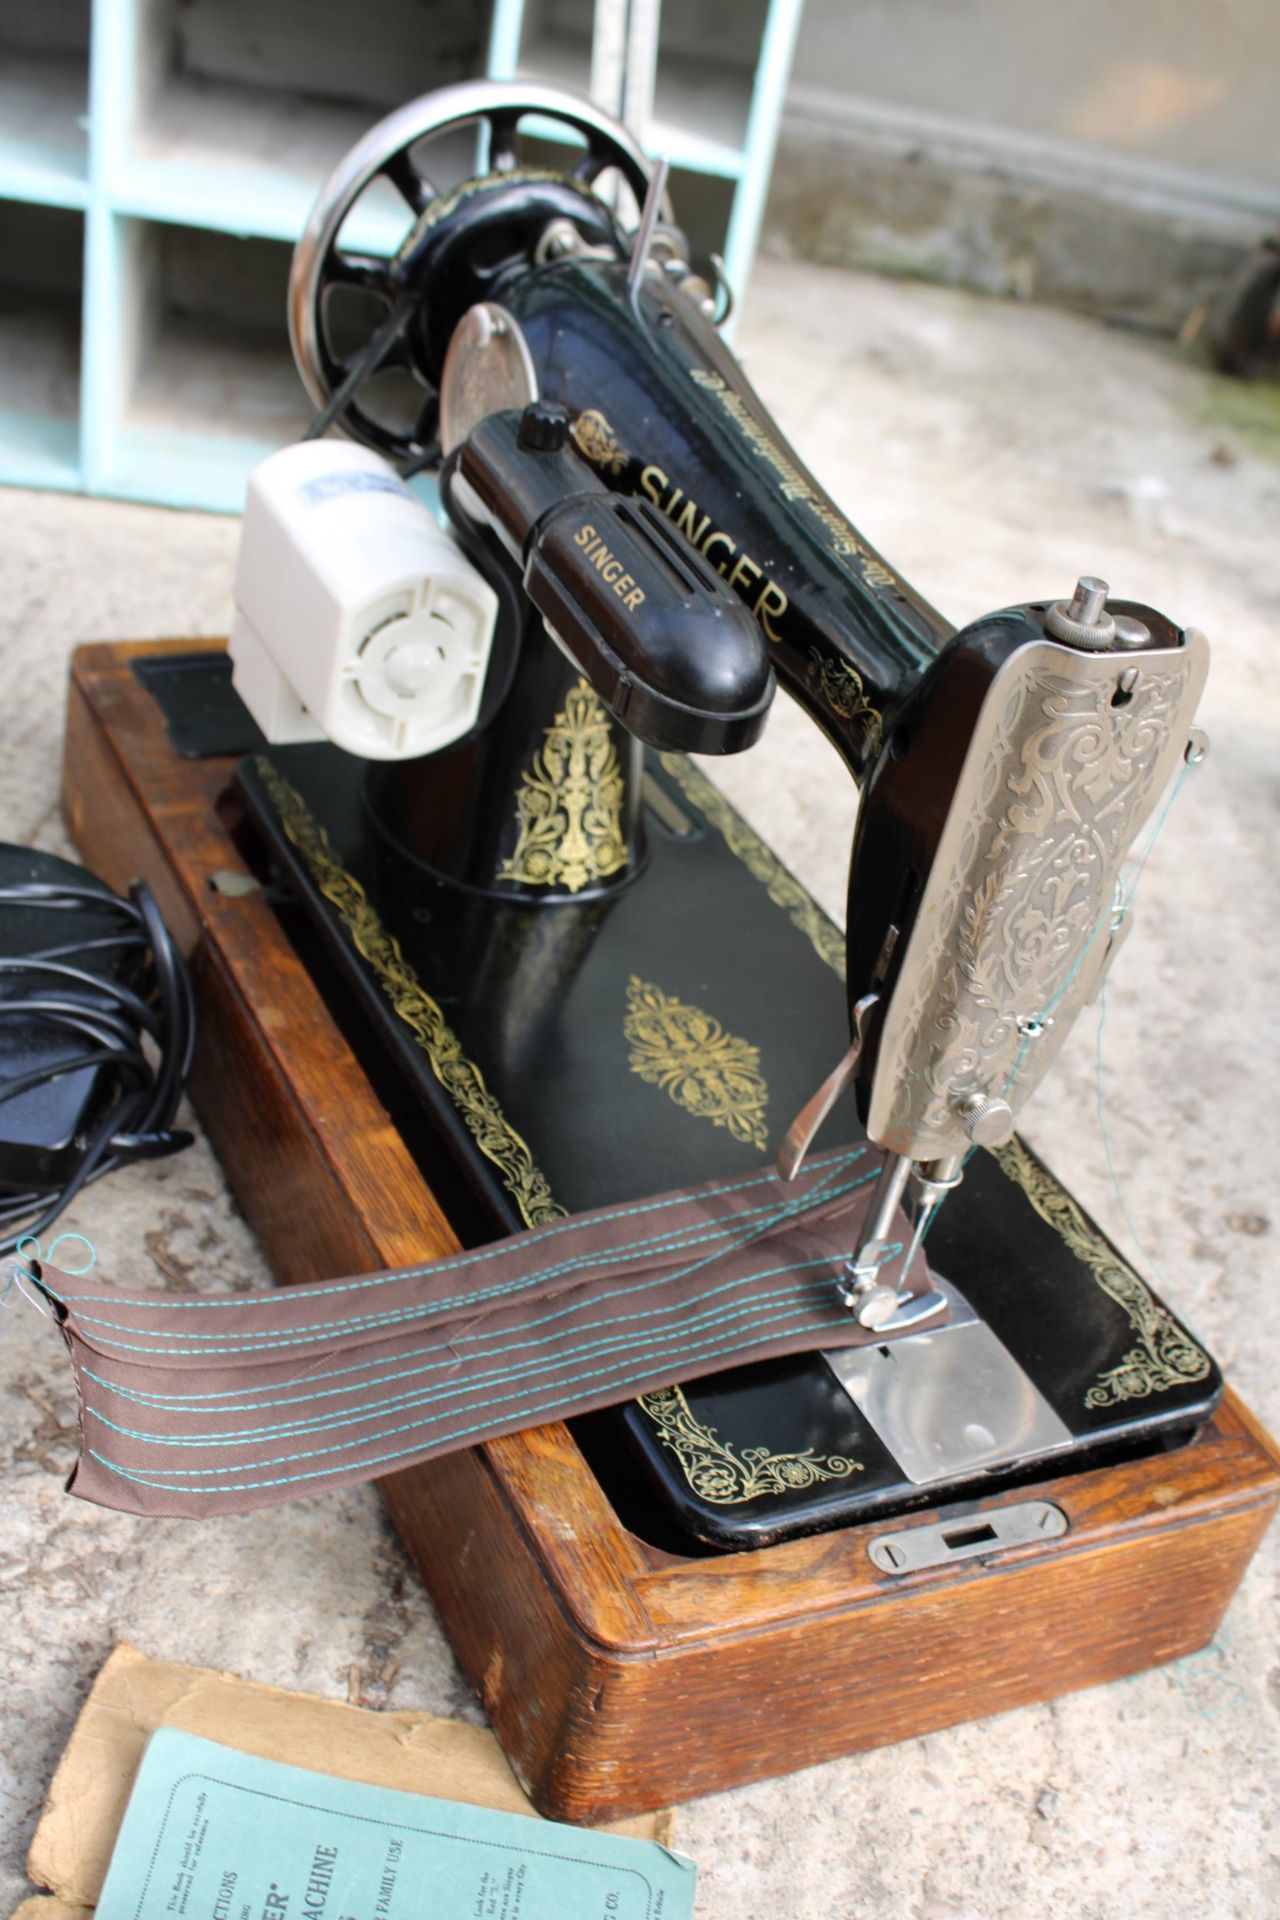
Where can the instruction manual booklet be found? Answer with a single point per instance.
(215, 1834)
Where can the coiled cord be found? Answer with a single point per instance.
(142, 1036)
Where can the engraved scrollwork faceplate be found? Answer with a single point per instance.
(1012, 925)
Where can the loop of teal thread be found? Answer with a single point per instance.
(22, 1269)
(31, 1240)
(759, 1220)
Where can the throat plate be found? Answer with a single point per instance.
(950, 1400)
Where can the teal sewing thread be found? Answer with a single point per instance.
(536, 1236)
(22, 1268)
(30, 1240)
(505, 1368)
(724, 1238)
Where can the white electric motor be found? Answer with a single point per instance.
(358, 618)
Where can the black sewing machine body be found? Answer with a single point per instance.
(586, 1021)
(594, 982)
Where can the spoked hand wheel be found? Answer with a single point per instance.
(398, 290)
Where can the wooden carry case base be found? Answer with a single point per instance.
(618, 1677)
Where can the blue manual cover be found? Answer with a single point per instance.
(214, 1834)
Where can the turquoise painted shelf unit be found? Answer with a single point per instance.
(159, 157)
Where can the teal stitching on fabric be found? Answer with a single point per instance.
(757, 1224)
(694, 1234)
(573, 1307)
(573, 1225)
(144, 1479)
(616, 1320)
(192, 1402)
(526, 1239)
(623, 1319)
(760, 1219)
(427, 1396)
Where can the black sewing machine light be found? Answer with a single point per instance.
(607, 466)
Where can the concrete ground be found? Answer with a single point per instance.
(994, 451)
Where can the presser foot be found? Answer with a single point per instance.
(883, 1308)
(873, 1300)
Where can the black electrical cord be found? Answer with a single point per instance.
(139, 1036)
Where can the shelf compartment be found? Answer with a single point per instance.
(44, 101)
(242, 115)
(41, 253)
(208, 382)
(707, 55)
(704, 81)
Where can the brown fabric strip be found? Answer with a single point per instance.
(229, 1402)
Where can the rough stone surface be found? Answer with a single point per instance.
(914, 204)
(994, 452)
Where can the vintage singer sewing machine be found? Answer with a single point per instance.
(573, 975)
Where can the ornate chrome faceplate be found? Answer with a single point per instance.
(1012, 931)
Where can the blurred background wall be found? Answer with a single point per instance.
(1114, 158)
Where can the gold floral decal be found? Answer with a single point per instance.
(686, 1052)
(1165, 1356)
(718, 1473)
(840, 687)
(569, 808)
(461, 1079)
(597, 442)
(761, 862)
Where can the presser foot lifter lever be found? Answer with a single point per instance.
(803, 1131)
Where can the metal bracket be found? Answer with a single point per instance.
(803, 1130)
(969, 1538)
